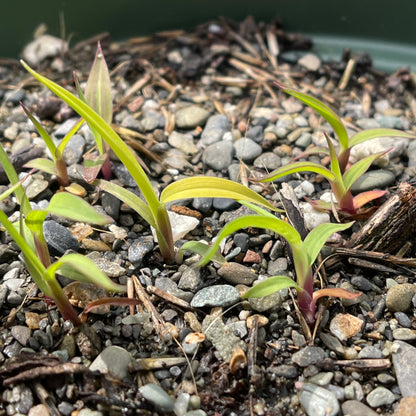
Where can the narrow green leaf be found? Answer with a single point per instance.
(129, 198)
(335, 167)
(204, 186)
(271, 285)
(14, 180)
(43, 133)
(75, 208)
(298, 167)
(98, 90)
(34, 265)
(365, 135)
(200, 248)
(98, 93)
(257, 221)
(78, 267)
(329, 115)
(45, 165)
(315, 240)
(110, 136)
(61, 147)
(356, 170)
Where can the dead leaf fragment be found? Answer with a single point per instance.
(238, 360)
(195, 338)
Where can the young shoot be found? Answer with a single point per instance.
(152, 209)
(341, 176)
(304, 255)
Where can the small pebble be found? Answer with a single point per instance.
(308, 356)
(154, 394)
(113, 360)
(399, 297)
(318, 401)
(216, 295)
(380, 396)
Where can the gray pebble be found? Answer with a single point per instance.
(64, 128)
(197, 412)
(247, 149)
(191, 117)
(151, 121)
(356, 408)
(111, 205)
(404, 358)
(224, 204)
(380, 396)
(58, 238)
(154, 394)
(321, 379)
(370, 351)
(215, 128)
(403, 319)
(139, 248)
(241, 240)
(110, 268)
(74, 149)
(404, 334)
(21, 333)
(190, 279)
(310, 61)
(318, 401)
(203, 205)
(3, 294)
(217, 295)
(114, 360)
(36, 187)
(361, 283)
(221, 336)
(236, 274)
(121, 172)
(255, 133)
(219, 155)
(333, 343)
(183, 142)
(284, 370)
(392, 122)
(276, 267)
(169, 286)
(374, 179)
(308, 356)
(267, 160)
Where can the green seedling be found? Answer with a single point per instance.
(152, 209)
(98, 97)
(28, 235)
(304, 255)
(340, 178)
(57, 165)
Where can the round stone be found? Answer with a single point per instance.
(399, 297)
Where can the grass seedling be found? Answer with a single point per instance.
(341, 176)
(57, 165)
(28, 235)
(153, 209)
(304, 255)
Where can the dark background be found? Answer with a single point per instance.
(383, 20)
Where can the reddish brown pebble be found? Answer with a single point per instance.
(251, 257)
